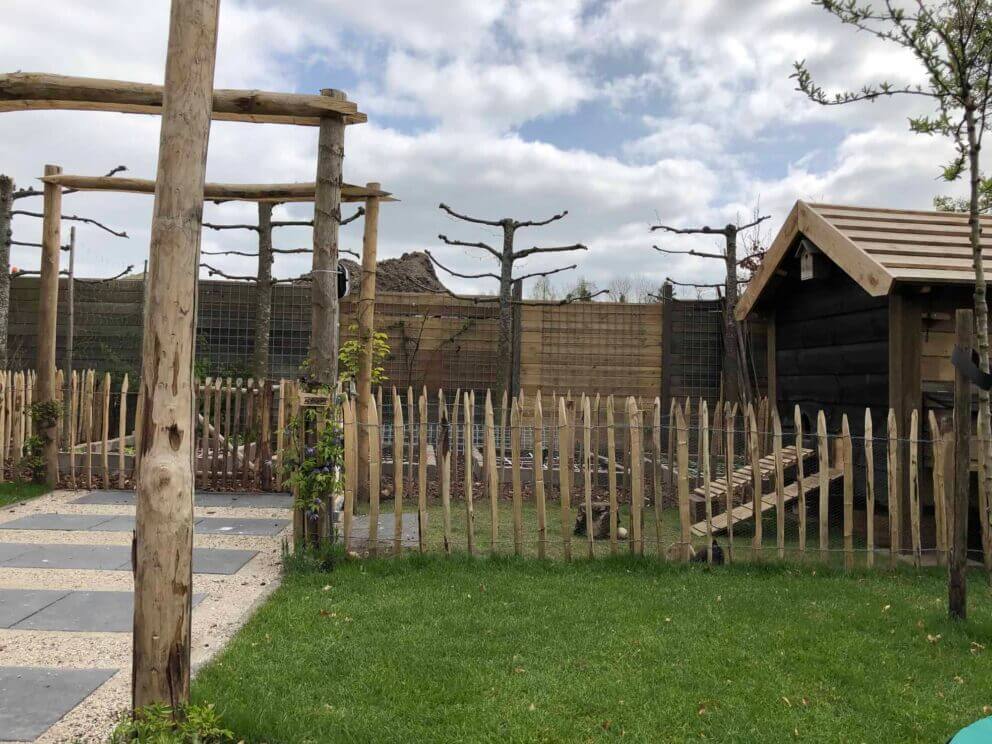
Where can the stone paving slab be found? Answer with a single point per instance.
(82, 611)
(34, 698)
(360, 530)
(206, 499)
(112, 558)
(125, 523)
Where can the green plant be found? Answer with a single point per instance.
(351, 352)
(313, 471)
(156, 724)
(31, 466)
(46, 413)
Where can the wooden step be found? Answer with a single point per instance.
(745, 512)
(742, 476)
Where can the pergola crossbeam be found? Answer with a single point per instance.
(34, 91)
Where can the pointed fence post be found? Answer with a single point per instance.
(539, 497)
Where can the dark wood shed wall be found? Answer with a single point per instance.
(831, 348)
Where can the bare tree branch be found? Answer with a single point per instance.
(21, 193)
(212, 271)
(360, 211)
(586, 298)
(444, 290)
(554, 249)
(213, 226)
(292, 223)
(27, 245)
(229, 253)
(544, 273)
(754, 223)
(455, 273)
(484, 246)
(691, 252)
(540, 223)
(476, 220)
(73, 218)
(126, 271)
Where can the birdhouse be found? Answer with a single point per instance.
(812, 264)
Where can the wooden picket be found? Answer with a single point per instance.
(398, 437)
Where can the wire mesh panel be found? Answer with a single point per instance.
(697, 349)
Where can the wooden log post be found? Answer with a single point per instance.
(518, 519)
(163, 548)
(422, 475)
(366, 334)
(442, 454)
(611, 475)
(398, 439)
(375, 477)
(682, 445)
(105, 432)
(957, 586)
(869, 490)
(754, 449)
(730, 417)
(48, 306)
(587, 471)
(704, 454)
(779, 483)
(824, 479)
(566, 442)
(939, 490)
(656, 495)
(847, 449)
(6, 206)
(490, 474)
(800, 477)
(122, 433)
(914, 487)
(350, 468)
(635, 423)
(326, 224)
(467, 473)
(539, 496)
(892, 477)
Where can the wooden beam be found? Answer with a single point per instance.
(366, 324)
(163, 543)
(218, 192)
(48, 306)
(27, 91)
(905, 387)
(323, 354)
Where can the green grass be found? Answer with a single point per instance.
(463, 650)
(12, 492)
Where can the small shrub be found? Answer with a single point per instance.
(154, 724)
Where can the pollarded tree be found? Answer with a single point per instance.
(507, 257)
(952, 40)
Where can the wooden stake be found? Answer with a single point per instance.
(469, 514)
(422, 473)
(848, 449)
(754, 446)
(280, 429)
(587, 470)
(869, 488)
(957, 579)
(90, 395)
(939, 505)
(656, 487)
(539, 498)
(779, 483)
(351, 468)
(217, 457)
(48, 305)
(682, 435)
(914, 486)
(611, 476)
(442, 453)
(566, 448)
(375, 479)
(105, 432)
(704, 446)
(489, 472)
(824, 478)
(800, 478)
(164, 520)
(518, 518)
(73, 427)
(502, 439)
(636, 424)
(892, 474)
(398, 437)
(730, 419)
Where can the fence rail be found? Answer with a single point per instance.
(669, 482)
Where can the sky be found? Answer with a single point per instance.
(623, 112)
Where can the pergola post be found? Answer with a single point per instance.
(6, 206)
(326, 221)
(163, 547)
(48, 305)
(263, 292)
(366, 327)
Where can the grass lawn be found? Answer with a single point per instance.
(463, 650)
(12, 492)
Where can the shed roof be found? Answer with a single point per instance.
(876, 247)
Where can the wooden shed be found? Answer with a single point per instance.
(859, 304)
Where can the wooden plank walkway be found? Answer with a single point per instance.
(745, 512)
(742, 477)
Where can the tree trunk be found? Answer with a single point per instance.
(263, 293)
(366, 328)
(981, 303)
(326, 221)
(504, 339)
(163, 543)
(48, 307)
(6, 204)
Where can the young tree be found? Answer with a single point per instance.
(736, 382)
(507, 257)
(952, 40)
(543, 289)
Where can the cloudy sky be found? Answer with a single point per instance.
(621, 111)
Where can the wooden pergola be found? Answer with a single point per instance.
(187, 103)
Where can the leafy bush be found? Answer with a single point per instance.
(351, 352)
(155, 724)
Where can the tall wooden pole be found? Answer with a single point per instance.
(70, 326)
(48, 307)
(163, 547)
(326, 221)
(366, 327)
(6, 205)
(957, 586)
(263, 292)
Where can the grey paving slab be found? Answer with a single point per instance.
(125, 523)
(12, 550)
(115, 558)
(205, 499)
(70, 522)
(360, 529)
(19, 604)
(34, 698)
(94, 612)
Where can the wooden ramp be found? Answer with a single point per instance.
(744, 512)
(742, 480)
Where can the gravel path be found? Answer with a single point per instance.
(229, 602)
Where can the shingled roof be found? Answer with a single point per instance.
(876, 247)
